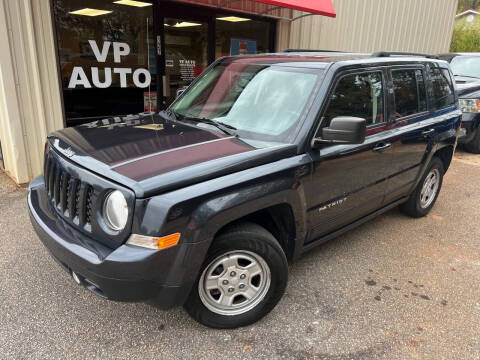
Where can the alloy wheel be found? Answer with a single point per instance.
(234, 283)
(430, 188)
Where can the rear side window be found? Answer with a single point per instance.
(358, 95)
(442, 88)
(409, 92)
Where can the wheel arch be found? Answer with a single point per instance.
(446, 155)
(278, 219)
(280, 212)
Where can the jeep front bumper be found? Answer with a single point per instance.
(128, 273)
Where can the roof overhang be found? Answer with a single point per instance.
(277, 9)
(317, 7)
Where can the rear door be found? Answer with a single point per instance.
(416, 120)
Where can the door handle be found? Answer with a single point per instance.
(428, 132)
(382, 146)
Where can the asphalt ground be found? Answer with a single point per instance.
(394, 288)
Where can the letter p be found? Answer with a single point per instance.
(119, 50)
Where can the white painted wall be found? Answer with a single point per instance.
(30, 98)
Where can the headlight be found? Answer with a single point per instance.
(115, 210)
(469, 105)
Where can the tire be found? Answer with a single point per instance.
(234, 248)
(418, 204)
(474, 145)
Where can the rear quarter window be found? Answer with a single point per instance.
(443, 92)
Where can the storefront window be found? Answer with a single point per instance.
(240, 36)
(107, 53)
(120, 57)
(186, 44)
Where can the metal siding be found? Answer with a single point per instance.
(32, 106)
(373, 25)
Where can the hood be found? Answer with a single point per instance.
(151, 154)
(459, 79)
(468, 90)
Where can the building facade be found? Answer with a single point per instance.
(69, 62)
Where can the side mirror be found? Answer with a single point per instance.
(343, 130)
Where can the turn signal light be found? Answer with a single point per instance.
(157, 243)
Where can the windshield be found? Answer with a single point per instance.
(260, 101)
(466, 66)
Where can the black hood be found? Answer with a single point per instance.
(469, 89)
(459, 79)
(151, 154)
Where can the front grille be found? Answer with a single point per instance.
(71, 197)
(89, 205)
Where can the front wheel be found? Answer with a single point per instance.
(425, 195)
(242, 279)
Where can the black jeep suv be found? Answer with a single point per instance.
(259, 160)
(466, 70)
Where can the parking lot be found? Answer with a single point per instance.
(394, 288)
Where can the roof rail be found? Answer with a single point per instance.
(310, 50)
(397, 53)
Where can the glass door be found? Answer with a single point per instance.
(186, 53)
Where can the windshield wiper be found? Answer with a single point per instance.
(172, 113)
(226, 128)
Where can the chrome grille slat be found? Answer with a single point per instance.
(56, 185)
(46, 166)
(81, 203)
(64, 191)
(88, 210)
(72, 199)
(51, 178)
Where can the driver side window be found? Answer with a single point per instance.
(357, 95)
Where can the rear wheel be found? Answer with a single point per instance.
(423, 198)
(242, 279)
(474, 145)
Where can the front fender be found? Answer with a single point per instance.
(215, 213)
(199, 211)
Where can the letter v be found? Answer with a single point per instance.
(101, 57)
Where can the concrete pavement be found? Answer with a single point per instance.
(394, 288)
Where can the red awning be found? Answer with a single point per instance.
(320, 7)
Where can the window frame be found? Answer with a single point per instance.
(333, 86)
(391, 90)
(431, 95)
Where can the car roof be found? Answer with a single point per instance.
(322, 59)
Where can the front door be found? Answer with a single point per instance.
(349, 181)
(186, 53)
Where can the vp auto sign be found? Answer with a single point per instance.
(141, 77)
